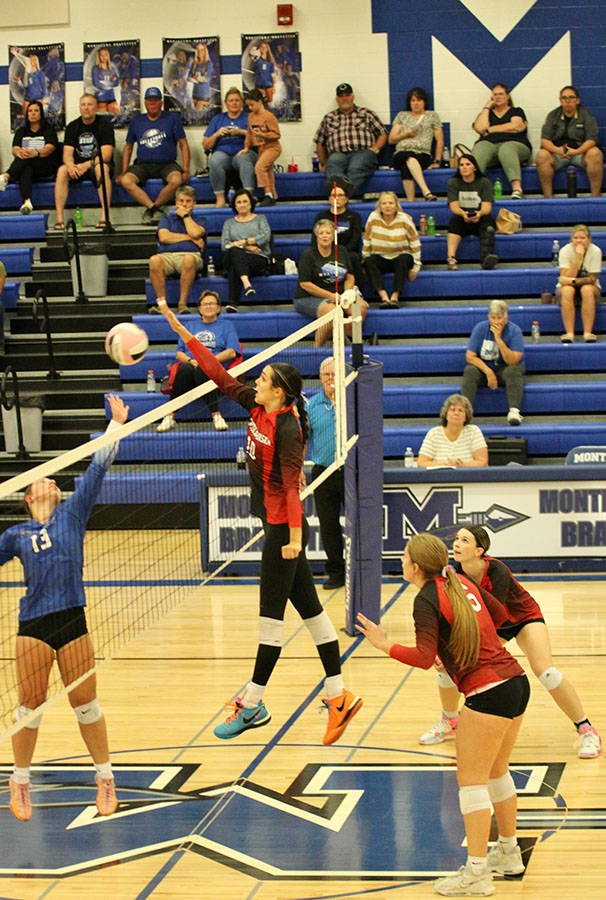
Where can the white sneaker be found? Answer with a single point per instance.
(26, 208)
(514, 417)
(442, 729)
(504, 863)
(465, 884)
(220, 423)
(167, 424)
(589, 742)
(3, 182)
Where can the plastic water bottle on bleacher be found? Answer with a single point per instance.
(241, 458)
(431, 225)
(315, 163)
(409, 459)
(211, 267)
(78, 217)
(423, 224)
(151, 382)
(498, 189)
(555, 254)
(535, 333)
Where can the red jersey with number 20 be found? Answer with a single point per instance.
(432, 613)
(274, 447)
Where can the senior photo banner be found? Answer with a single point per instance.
(112, 73)
(37, 72)
(271, 63)
(191, 74)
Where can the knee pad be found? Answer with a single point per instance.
(551, 678)
(271, 631)
(473, 798)
(321, 629)
(88, 713)
(445, 681)
(502, 788)
(22, 712)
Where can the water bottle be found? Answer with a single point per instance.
(211, 267)
(571, 182)
(555, 254)
(241, 458)
(78, 217)
(445, 158)
(535, 333)
(151, 382)
(315, 163)
(423, 224)
(409, 459)
(431, 225)
(498, 189)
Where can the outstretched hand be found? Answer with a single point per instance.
(119, 410)
(374, 633)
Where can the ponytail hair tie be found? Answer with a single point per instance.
(446, 570)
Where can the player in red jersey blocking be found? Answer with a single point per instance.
(275, 443)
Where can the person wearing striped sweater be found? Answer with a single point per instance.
(391, 244)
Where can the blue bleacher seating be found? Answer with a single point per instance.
(15, 227)
(10, 294)
(17, 260)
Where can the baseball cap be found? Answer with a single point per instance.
(344, 88)
(153, 93)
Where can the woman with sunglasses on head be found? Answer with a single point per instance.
(455, 620)
(503, 140)
(527, 625)
(277, 433)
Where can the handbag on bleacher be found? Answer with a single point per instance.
(458, 150)
(508, 222)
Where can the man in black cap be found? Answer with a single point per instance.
(157, 135)
(349, 139)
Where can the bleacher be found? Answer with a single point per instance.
(421, 345)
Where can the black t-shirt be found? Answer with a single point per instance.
(85, 139)
(349, 226)
(35, 140)
(469, 195)
(500, 137)
(320, 270)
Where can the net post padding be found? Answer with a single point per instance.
(364, 496)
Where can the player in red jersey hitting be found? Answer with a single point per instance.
(275, 441)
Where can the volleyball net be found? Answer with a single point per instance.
(172, 511)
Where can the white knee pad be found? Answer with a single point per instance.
(22, 712)
(271, 631)
(551, 678)
(502, 788)
(473, 798)
(88, 713)
(321, 629)
(445, 681)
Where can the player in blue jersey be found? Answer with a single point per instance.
(52, 623)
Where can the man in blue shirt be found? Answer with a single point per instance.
(494, 357)
(157, 135)
(180, 249)
(329, 497)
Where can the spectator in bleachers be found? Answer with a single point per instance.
(414, 132)
(83, 138)
(322, 278)
(470, 196)
(580, 264)
(495, 356)
(180, 249)
(263, 137)
(157, 135)
(503, 131)
(2, 280)
(349, 139)
(219, 336)
(105, 78)
(224, 140)
(455, 441)
(246, 245)
(391, 244)
(570, 137)
(349, 223)
(35, 149)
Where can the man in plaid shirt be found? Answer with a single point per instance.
(349, 140)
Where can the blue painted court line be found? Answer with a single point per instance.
(364, 892)
(161, 875)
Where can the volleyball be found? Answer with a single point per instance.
(126, 343)
(254, 53)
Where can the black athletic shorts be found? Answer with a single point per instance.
(508, 699)
(143, 171)
(57, 628)
(509, 632)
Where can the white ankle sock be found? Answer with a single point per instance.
(253, 694)
(334, 687)
(508, 843)
(477, 864)
(21, 775)
(104, 770)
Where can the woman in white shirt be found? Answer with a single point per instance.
(455, 442)
(580, 266)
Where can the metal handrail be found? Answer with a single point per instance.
(9, 404)
(44, 324)
(108, 227)
(71, 226)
